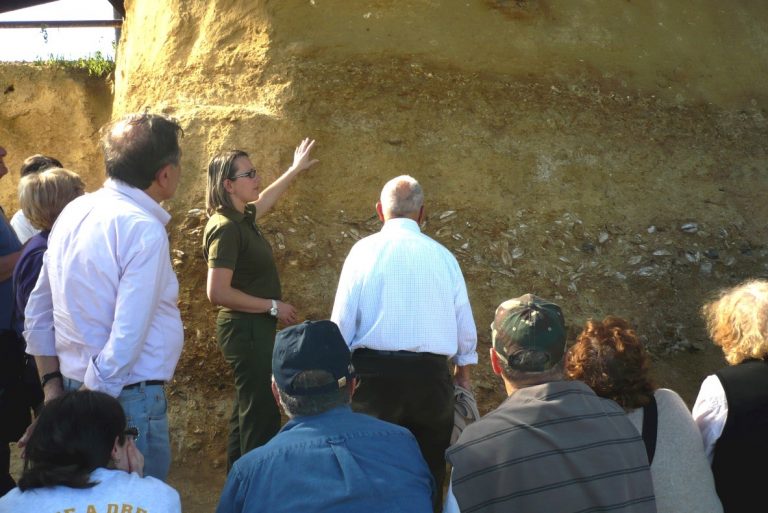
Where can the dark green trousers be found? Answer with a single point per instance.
(246, 342)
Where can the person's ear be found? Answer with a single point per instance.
(228, 185)
(116, 450)
(161, 177)
(119, 456)
(162, 174)
(495, 363)
(380, 211)
(276, 395)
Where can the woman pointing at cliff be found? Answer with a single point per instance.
(243, 281)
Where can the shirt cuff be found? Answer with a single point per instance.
(465, 359)
(40, 343)
(93, 381)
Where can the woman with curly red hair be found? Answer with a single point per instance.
(610, 358)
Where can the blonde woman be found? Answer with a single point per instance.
(42, 197)
(243, 281)
(732, 407)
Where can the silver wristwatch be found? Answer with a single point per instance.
(273, 311)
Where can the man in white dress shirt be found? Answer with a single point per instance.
(403, 309)
(103, 315)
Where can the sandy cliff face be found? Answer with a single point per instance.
(54, 112)
(609, 155)
(562, 146)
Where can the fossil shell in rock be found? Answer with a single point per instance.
(690, 227)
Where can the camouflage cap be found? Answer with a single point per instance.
(528, 333)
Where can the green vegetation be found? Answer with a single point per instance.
(96, 65)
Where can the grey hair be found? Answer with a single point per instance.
(401, 196)
(522, 378)
(300, 405)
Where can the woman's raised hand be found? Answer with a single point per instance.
(301, 160)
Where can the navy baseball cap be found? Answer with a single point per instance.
(309, 346)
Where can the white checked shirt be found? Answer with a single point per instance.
(105, 301)
(401, 290)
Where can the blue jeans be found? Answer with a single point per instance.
(145, 408)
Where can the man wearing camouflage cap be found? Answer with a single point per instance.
(553, 445)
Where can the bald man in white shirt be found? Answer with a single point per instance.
(403, 309)
(103, 315)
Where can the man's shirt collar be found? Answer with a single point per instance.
(141, 198)
(401, 223)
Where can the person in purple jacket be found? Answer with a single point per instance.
(42, 197)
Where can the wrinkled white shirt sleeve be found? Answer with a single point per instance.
(465, 328)
(345, 307)
(710, 413)
(38, 317)
(138, 294)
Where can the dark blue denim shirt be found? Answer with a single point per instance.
(9, 243)
(26, 272)
(337, 461)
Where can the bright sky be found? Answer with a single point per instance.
(70, 43)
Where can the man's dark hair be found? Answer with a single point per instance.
(137, 146)
(74, 435)
(300, 405)
(37, 163)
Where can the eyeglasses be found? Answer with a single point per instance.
(133, 432)
(250, 174)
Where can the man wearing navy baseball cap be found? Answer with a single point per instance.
(326, 458)
(553, 445)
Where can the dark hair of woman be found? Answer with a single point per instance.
(74, 435)
(610, 359)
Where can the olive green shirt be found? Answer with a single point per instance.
(232, 240)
